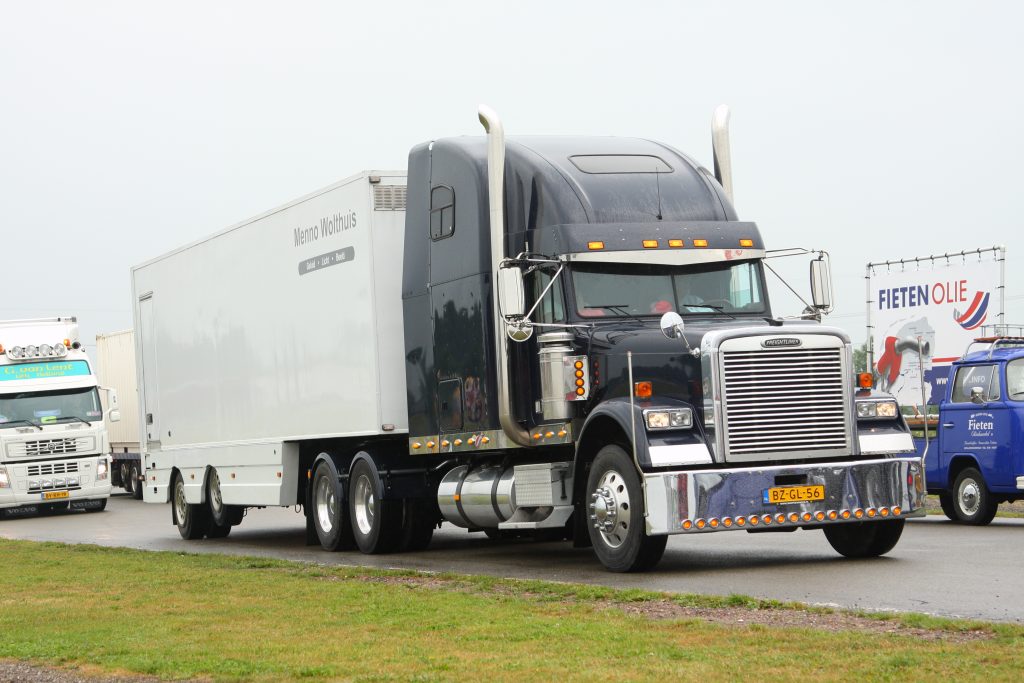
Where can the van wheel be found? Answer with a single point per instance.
(193, 521)
(615, 504)
(329, 516)
(864, 539)
(376, 523)
(972, 502)
(136, 480)
(948, 509)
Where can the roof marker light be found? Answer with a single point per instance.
(700, 243)
(746, 243)
(650, 244)
(595, 245)
(643, 389)
(676, 244)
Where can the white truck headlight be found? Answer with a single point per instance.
(877, 410)
(102, 471)
(5, 481)
(670, 418)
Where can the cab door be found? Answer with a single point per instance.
(978, 430)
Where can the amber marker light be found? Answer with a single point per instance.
(580, 391)
(536, 437)
(701, 523)
(676, 244)
(700, 243)
(871, 512)
(416, 445)
(858, 513)
(819, 515)
(794, 517)
(687, 524)
(713, 523)
(767, 519)
(430, 444)
(864, 380)
(746, 243)
(472, 440)
(780, 518)
(832, 514)
(445, 443)
(727, 522)
(643, 389)
(67, 343)
(562, 433)
(754, 520)
(897, 510)
(548, 435)
(807, 516)
(883, 511)
(595, 245)
(458, 442)
(650, 244)
(485, 439)
(846, 514)
(741, 521)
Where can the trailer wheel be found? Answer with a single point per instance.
(972, 502)
(136, 478)
(948, 509)
(330, 520)
(864, 539)
(615, 505)
(376, 523)
(193, 521)
(126, 481)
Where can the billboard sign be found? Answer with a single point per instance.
(934, 306)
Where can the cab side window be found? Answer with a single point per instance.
(1015, 380)
(552, 308)
(442, 212)
(984, 376)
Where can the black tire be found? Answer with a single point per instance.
(138, 485)
(864, 539)
(327, 510)
(948, 509)
(193, 521)
(972, 502)
(126, 479)
(221, 514)
(418, 524)
(376, 523)
(615, 511)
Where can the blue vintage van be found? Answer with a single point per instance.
(977, 458)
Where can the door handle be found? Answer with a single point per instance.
(947, 425)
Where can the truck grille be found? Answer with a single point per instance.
(49, 447)
(784, 400)
(52, 468)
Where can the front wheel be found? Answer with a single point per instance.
(972, 502)
(615, 508)
(864, 539)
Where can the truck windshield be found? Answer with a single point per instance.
(630, 290)
(47, 407)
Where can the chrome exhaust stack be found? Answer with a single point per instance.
(496, 199)
(720, 149)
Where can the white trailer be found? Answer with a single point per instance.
(115, 360)
(298, 308)
(53, 444)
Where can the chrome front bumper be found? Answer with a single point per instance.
(720, 500)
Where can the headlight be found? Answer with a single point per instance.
(60, 350)
(674, 418)
(5, 481)
(867, 410)
(16, 352)
(101, 470)
(45, 350)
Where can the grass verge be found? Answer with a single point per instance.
(227, 618)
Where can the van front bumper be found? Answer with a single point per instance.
(737, 498)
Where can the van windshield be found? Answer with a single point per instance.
(631, 290)
(44, 407)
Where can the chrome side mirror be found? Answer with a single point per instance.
(978, 395)
(821, 285)
(511, 292)
(672, 325)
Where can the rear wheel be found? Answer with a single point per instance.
(193, 521)
(972, 502)
(418, 524)
(136, 480)
(864, 539)
(948, 509)
(329, 518)
(126, 480)
(616, 514)
(376, 523)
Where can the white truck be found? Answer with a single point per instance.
(53, 443)
(115, 361)
(555, 336)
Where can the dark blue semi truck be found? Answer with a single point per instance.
(977, 458)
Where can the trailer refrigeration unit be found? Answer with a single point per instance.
(53, 444)
(115, 357)
(557, 335)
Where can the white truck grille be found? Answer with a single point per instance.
(45, 468)
(49, 447)
(784, 400)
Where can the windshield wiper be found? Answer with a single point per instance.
(15, 422)
(719, 309)
(617, 308)
(73, 417)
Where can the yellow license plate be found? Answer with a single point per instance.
(50, 495)
(793, 494)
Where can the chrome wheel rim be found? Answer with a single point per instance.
(216, 502)
(610, 510)
(969, 496)
(364, 504)
(326, 504)
(180, 506)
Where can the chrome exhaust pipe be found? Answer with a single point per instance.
(496, 199)
(720, 149)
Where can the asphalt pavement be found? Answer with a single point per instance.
(937, 568)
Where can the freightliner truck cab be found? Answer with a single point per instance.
(590, 347)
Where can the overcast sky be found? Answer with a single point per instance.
(878, 131)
